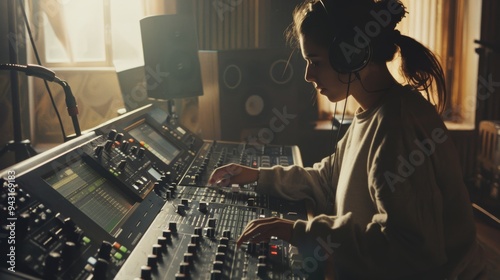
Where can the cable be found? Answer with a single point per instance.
(331, 166)
(39, 62)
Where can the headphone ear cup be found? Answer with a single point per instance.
(346, 57)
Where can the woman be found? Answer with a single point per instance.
(390, 202)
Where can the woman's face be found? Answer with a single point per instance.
(320, 73)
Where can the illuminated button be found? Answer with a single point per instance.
(123, 249)
(118, 256)
(92, 261)
(142, 143)
(88, 268)
(86, 240)
(130, 140)
(116, 245)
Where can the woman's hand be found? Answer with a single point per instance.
(262, 229)
(233, 174)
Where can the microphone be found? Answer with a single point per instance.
(49, 75)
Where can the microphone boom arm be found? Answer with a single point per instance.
(49, 75)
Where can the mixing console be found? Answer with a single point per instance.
(129, 200)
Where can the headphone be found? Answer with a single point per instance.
(344, 54)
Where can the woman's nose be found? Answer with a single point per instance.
(309, 75)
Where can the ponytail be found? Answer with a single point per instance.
(422, 69)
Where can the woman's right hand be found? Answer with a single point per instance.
(233, 174)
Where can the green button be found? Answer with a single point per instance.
(118, 256)
(123, 249)
(86, 240)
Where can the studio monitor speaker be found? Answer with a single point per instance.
(132, 83)
(170, 48)
(256, 95)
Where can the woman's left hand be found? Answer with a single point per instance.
(262, 229)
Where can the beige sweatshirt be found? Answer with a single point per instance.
(395, 205)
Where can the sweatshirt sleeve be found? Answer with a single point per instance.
(300, 183)
(405, 236)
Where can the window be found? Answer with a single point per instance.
(90, 33)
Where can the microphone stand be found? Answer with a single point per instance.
(48, 75)
(22, 148)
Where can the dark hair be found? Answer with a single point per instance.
(321, 21)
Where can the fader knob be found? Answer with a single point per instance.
(195, 239)
(122, 164)
(108, 145)
(52, 262)
(224, 241)
(22, 225)
(192, 248)
(261, 269)
(112, 134)
(180, 276)
(188, 257)
(133, 150)
(146, 272)
(168, 235)
(69, 252)
(219, 256)
(184, 268)
(251, 248)
(119, 137)
(152, 260)
(211, 222)
(251, 201)
(162, 241)
(157, 250)
(181, 209)
(98, 150)
(185, 202)
(105, 250)
(262, 259)
(124, 146)
(140, 152)
(218, 265)
(202, 207)
(227, 234)
(100, 268)
(221, 248)
(211, 232)
(215, 275)
(198, 231)
(172, 226)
